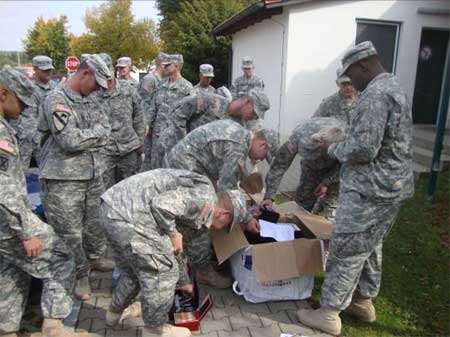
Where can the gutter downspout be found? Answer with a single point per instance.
(440, 130)
(282, 77)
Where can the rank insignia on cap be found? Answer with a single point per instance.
(4, 163)
(7, 146)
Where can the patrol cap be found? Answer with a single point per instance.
(18, 83)
(247, 62)
(260, 102)
(359, 52)
(107, 59)
(342, 78)
(239, 208)
(123, 62)
(206, 70)
(102, 72)
(42, 62)
(163, 58)
(216, 105)
(273, 142)
(176, 59)
(84, 57)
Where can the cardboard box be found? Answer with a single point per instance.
(281, 260)
(191, 320)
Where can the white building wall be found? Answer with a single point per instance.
(321, 32)
(264, 43)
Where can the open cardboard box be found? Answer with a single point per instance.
(281, 260)
(191, 320)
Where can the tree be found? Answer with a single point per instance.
(186, 28)
(111, 28)
(49, 38)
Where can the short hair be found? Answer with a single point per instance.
(83, 66)
(259, 134)
(224, 201)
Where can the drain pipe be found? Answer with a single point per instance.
(440, 131)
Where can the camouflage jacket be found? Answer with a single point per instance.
(74, 129)
(242, 85)
(148, 85)
(338, 107)
(312, 155)
(376, 157)
(199, 90)
(125, 117)
(219, 150)
(166, 96)
(155, 203)
(16, 217)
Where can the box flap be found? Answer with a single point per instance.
(288, 207)
(226, 244)
(318, 225)
(309, 256)
(274, 261)
(205, 307)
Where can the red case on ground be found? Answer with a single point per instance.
(191, 320)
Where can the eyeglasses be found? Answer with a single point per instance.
(167, 65)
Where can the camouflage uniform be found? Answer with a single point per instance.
(190, 113)
(200, 90)
(242, 85)
(55, 263)
(74, 130)
(217, 150)
(316, 166)
(166, 96)
(139, 215)
(146, 91)
(127, 132)
(376, 175)
(338, 107)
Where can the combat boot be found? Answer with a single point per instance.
(212, 278)
(166, 330)
(112, 318)
(83, 289)
(361, 308)
(323, 319)
(55, 328)
(102, 264)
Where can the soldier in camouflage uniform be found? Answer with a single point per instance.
(319, 171)
(26, 126)
(252, 120)
(146, 90)
(122, 153)
(124, 69)
(217, 150)
(173, 88)
(340, 105)
(28, 246)
(145, 218)
(74, 130)
(206, 75)
(376, 176)
(248, 81)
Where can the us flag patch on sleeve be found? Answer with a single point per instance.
(7, 146)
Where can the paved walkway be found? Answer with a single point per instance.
(230, 316)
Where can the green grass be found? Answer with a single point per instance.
(414, 297)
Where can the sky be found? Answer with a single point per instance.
(16, 17)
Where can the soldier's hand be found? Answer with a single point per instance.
(320, 190)
(267, 203)
(177, 243)
(148, 135)
(187, 289)
(32, 246)
(252, 226)
(140, 150)
(323, 144)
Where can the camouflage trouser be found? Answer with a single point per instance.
(355, 258)
(72, 209)
(152, 276)
(26, 151)
(120, 167)
(147, 163)
(309, 179)
(158, 152)
(55, 266)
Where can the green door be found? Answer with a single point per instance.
(430, 69)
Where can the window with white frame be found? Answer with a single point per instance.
(384, 35)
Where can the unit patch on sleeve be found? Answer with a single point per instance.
(61, 117)
(4, 163)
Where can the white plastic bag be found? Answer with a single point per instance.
(247, 286)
